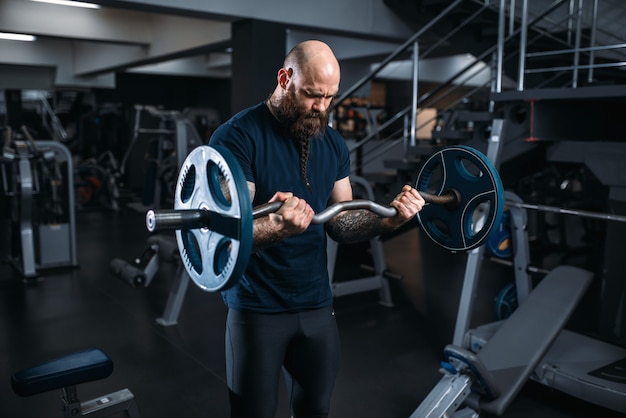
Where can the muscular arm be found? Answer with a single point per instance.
(360, 225)
(355, 226)
(293, 217)
(266, 232)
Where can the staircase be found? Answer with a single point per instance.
(539, 54)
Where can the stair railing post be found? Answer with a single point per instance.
(594, 22)
(511, 15)
(522, 47)
(415, 82)
(500, 46)
(579, 23)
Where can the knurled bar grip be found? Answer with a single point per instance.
(200, 218)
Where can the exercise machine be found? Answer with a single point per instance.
(169, 143)
(487, 377)
(97, 179)
(37, 178)
(576, 364)
(486, 367)
(140, 273)
(69, 371)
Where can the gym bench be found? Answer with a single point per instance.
(489, 380)
(69, 371)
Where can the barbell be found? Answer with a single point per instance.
(213, 214)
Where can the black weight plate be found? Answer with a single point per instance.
(469, 172)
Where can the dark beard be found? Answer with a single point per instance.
(300, 126)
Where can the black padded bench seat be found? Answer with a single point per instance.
(517, 347)
(72, 369)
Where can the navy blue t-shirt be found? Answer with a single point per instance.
(291, 275)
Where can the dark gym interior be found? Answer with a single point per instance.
(536, 311)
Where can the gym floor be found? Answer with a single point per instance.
(390, 359)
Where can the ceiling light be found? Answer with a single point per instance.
(71, 3)
(16, 36)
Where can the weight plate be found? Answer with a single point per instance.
(499, 241)
(467, 225)
(216, 256)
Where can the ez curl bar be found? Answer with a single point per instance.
(214, 227)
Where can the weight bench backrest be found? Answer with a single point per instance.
(518, 346)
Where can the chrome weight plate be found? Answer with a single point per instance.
(215, 256)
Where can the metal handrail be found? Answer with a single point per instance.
(400, 50)
(517, 29)
(573, 14)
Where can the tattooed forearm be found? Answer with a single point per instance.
(264, 234)
(356, 226)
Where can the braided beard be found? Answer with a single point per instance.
(300, 126)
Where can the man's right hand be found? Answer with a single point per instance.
(294, 216)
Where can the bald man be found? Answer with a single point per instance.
(280, 313)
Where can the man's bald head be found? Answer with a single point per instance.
(313, 57)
